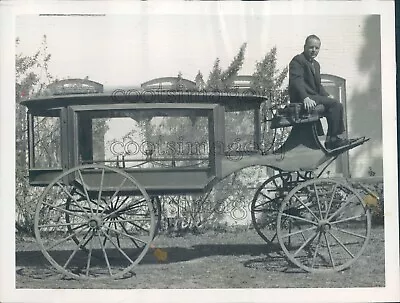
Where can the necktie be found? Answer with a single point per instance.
(312, 67)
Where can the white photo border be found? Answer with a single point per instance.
(8, 13)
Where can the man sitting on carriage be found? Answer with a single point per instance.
(305, 87)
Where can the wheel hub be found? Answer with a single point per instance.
(95, 222)
(114, 215)
(324, 225)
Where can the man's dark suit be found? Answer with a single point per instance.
(305, 81)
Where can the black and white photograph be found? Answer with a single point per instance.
(214, 151)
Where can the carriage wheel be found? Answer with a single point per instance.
(154, 200)
(266, 203)
(94, 231)
(330, 225)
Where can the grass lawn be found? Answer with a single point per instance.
(210, 260)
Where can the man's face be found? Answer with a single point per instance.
(311, 49)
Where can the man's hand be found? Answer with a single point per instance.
(309, 103)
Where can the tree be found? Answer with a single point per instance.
(200, 84)
(268, 81)
(214, 82)
(219, 80)
(179, 86)
(228, 76)
(32, 79)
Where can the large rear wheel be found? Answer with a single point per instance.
(90, 225)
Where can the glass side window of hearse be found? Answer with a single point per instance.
(155, 138)
(239, 131)
(45, 140)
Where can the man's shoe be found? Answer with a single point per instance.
(355, 140)
(336, 143)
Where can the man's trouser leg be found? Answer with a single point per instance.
(333, 114)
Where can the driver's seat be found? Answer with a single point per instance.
(295, 113)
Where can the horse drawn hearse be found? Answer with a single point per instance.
(98, 215)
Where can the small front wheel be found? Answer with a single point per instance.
(330, 225)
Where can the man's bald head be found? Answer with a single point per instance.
(311, 37)
(311, 47)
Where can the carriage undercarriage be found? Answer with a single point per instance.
(108, 216)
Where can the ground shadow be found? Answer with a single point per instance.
(173, 254)
(33, 264)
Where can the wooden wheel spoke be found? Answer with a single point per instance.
(129, 221)
(300, 218)
(105, 239)
(85, 190)
(348, 232)
(115, 225)
(330, 202)
(319, 206)
(302, 234)
(299, 231)
(118, 247)
(105, 255)
(97, 206)
(100, 191)
(347, 219)
(316, 250)
(116, 192)
(61, 241)
(64, 210)
(86, 210)
(135, 214)
(87, 241)
(329, 251)
(77, 211)
(113, 203)
(256, 208)
(133, 241)
(341, 244)
(265, 196)
(75, 228)
(306, 206)
(339, 210)
(122, 202)
(127, 208)
(59, 224)
(69, 195)
(125, 234)
(78, 246)
(138, 226)
(89, 255)
(135, 205)
(307, 242)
